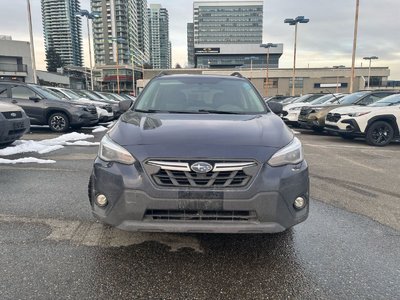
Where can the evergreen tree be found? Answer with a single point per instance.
(53, 60)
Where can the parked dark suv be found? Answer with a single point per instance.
(200, 153)
(43, 108)
(14, 123)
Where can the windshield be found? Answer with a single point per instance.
(322, 99)
(71, 94)
(350, 99)
(56, 93)
(201, 95)
(44, 93)
(388, 101)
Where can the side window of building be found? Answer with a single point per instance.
(21, 92)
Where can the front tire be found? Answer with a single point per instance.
(379, 134)
(58, 122)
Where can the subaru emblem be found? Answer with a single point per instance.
(13, 115)
(201, 167)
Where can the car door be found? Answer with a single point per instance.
(30, 101)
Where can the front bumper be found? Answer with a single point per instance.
(84, 119)
(13, 129)
(311, 122)
(133, 195)
(347, 127)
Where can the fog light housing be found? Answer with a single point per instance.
(101, 200)
(299, 203)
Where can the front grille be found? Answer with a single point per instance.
(201, 215)
(12, 114)
(331, 117)
(223, 174)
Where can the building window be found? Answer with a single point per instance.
(299, 82)
(272, 83)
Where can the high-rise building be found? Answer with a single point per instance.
(231, 22)
(160, 46)
(120, 37)
(62, 30)
(122, 26)
(190, 44)
(228, 34)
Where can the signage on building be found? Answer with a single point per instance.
(206, 50)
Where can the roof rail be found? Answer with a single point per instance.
(237, 74)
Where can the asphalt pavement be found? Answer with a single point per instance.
(52, 248)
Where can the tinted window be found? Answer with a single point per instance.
(350, 99)
(193, 94)
(388, 101)
(21, 92)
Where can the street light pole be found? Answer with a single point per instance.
(353, 59)
(370, 58)
(89, 16)
(28, 3)
(337, 77)
(267, 46)
(299, 19)
(116, 40)
(251, 65)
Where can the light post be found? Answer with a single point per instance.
(294, 22)
(28, 3)
(89, 16)
(117, 40)
(251, 65)
(370, 58)
(353, 58)
(267, 46)
(337, 76)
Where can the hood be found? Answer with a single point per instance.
(182, 130)
(353, 109)
(293, 105)
(6, 107)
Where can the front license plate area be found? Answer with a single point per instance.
(200, 200)
(19, 125)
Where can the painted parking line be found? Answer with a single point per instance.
(97, 235)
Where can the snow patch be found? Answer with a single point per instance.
(295, 132)
(26, 160)
(99, 129)
(44, 146)
(82, 143)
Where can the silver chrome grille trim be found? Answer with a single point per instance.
(184, 166)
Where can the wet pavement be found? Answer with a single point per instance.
(51, 247)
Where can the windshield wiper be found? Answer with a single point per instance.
(211, 111)
(166, 111)
(151, 111)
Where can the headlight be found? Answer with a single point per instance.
(84, 107)
(358, 114)
(291, 154)
(111, 151)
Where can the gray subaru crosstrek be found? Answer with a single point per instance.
(200, 153)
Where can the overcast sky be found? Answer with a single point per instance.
(324, 42)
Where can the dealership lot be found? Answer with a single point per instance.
(348, 248)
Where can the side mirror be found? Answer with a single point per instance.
(34, 98)
(276, 107)
(124, 105)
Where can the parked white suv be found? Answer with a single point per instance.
(378, 122)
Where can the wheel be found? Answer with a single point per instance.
(346, 136)
(58, 122)
(379, 133)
